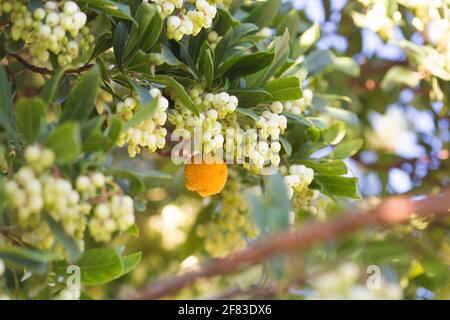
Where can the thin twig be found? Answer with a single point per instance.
(40, 70)
(393, 210)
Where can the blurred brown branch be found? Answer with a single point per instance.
(393, 210)
(40, 70)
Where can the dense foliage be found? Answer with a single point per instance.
(319, 106)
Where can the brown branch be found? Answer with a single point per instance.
(392, 210)
(40, 70)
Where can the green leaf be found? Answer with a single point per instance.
(119, 42)
(225, 22)
(206, 63)
(271, 212)
(299, 119)
(242, 65)
(102, 44)
(347, 65)
(6, 104)
(133, 230)
(143, 174)
(131, 261)
(114, 128)
(111, 8)
(81, 101)
(65, 141)
(281, 51)
(291, 21)
(48, 92)
(346, 149)
(29, 113)
(29, 259)
(66, 240)
(138, 177)
(152, 33)
(325, 166)
(144, 15)
(286, 146)
(193, 241)
(308, 39)
(250, 97)
(285, 89)
(99, 266)
(171, 83)
(243, 30)
(319, 60)
(398, 77)
(264, 12)
(333, 185)
(248, 112)
(334, 134)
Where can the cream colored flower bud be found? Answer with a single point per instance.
(52, 19)
(39, 14)
(79, 19)
(50, 6)
(47, 158)
(24, 175)
(32, 154)
(71, 8)
(102, 211)
(173, 22)
(168, 7)
(83, 183)
(98, 180)
(73, 49)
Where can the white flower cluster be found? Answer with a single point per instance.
(112, 212)
(186, 17)
(263, 146)
(58, 28)
(343, 284)
(298, 106)
(430, 19)
(35, 191)
(227, 233)
(218, 113)
(299, 178)
(149, 133)
(376, 19)
(433, 22)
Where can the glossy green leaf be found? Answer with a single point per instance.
(119, 43)
(171, 83)
(398, 77)
(285, 89)
(49, 91)
(264, 12)
(65, 141)
(346, 149)
(66, 240)
(81, 101)
(131, 261)
(29, 113)
(308, 39)
(99, 266)
(29, 259)
(240, 66)
(338, 186)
